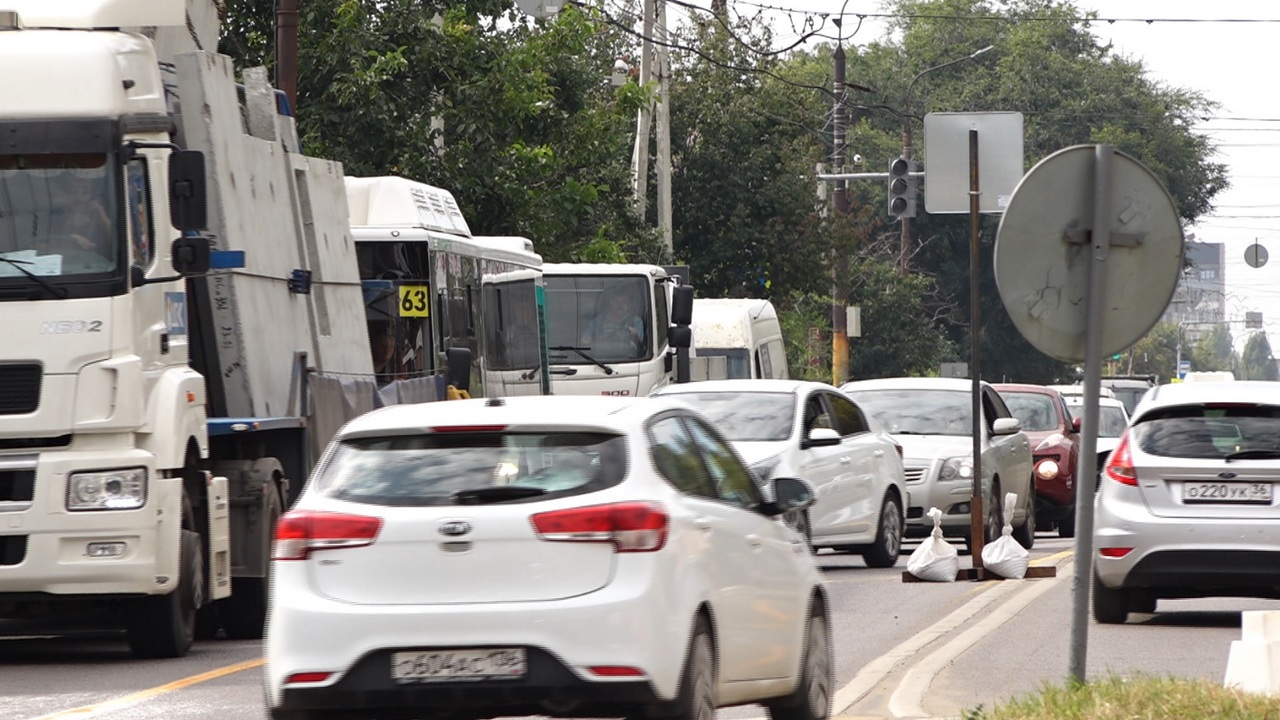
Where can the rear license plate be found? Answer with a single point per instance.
(1226, 492)
(457, 664)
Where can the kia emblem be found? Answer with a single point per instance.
(454, 528)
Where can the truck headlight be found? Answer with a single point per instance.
(957, 468)
(107, 490)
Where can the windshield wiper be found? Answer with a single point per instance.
(58, 292)
(1255, 453)
(499, 493)
(582, 351)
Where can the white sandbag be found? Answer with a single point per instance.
(935, 560)
(1006, 557)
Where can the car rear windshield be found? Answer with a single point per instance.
(1210, 431)
(1035, 411)
(471, 468)
(1111, 422)
(919, 412)
(746, 416)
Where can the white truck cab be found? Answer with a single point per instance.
(607, 328)
(745, 331)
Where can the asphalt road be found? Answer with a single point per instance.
(903, 650)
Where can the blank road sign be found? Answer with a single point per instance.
(946, 160)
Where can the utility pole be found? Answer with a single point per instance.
(287, 50)
(664, 133)
(640, 158)
(839, 262)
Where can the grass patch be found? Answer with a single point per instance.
(1136, 698)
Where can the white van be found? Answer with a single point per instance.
(745, 332)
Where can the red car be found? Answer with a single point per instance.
(1055, 450)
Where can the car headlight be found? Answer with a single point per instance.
(764, 468)
(107, 490)
(957, 468)
(1047, 469)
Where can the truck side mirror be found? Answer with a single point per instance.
(680, 336)
(459, 360)
(681, 307)
(190, 255)
(188, 195)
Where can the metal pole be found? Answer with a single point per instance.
(287, 51)
(839, 262)
(1087, 467)
(640, 156)
(904, 252)
(976, 511)
(663, 130)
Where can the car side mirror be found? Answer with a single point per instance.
(1006, 426)
(820, 437)
(1077, 424)
(789, 494)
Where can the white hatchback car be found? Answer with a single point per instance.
(794, 428)
(563, 556)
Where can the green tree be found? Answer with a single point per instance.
(1213, 350)
(512, 116)
(1256, 362)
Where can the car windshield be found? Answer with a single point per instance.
(466, 468)
(1111, 422)
(1210, 431)
(916, 411)
(746, 416)
(609, 318)
(1034, 410)
(58, 216)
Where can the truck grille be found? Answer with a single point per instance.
(19, 389)
(17, 485)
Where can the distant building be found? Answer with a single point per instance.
(1200, 300)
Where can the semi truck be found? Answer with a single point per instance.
(152, 382)
(616, 328)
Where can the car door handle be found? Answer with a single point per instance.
(702, 523)
(754, 539)
(878, 453)
(845, 460)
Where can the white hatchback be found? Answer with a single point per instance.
(563, 556)
(796, 428)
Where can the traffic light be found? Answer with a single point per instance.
(902, 188)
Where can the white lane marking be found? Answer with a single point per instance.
(907, 700)
(874, 672)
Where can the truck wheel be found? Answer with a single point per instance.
(163, 626)
(244, 613)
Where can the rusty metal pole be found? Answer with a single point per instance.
(977, 515)
(839, 263)
(287, 50)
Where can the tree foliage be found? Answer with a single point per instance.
(1256, 362)
(515, 118)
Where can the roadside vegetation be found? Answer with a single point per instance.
(516, 117)
(1138, 698)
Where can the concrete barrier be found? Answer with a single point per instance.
(1254, 662)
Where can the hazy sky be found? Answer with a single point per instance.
(1228, 50)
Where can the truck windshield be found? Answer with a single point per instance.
(610, 317)
(56, 217)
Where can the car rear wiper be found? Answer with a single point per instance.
(498, 493)
(1255, 453)
(58, 292)
(582, 351)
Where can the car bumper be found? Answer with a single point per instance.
(951, 497)
(1179, 557)
(620, 625)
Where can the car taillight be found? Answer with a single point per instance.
(300, 533)
(631, 527)
(1120, 463)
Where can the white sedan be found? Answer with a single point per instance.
(550, 555)
(814, 431)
